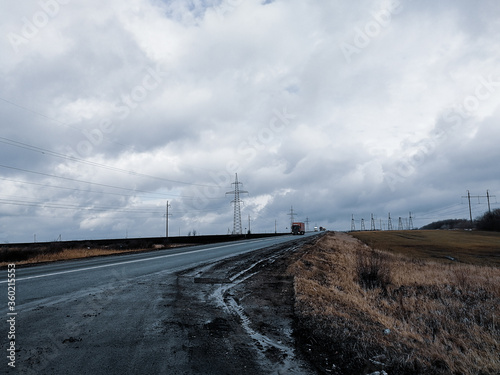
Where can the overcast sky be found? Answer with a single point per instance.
(337, 108)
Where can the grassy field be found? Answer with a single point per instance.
(472, 247)
(361, 310)
(16, 255)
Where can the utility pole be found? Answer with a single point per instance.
(236, 201)
(363, 224)
(410, 225)
(389, 222)
(307, 224)
(372, 223)
(487, 196)
(249, 230)
(353, 224)
(166, 216)
(470, 208)
(400, 224)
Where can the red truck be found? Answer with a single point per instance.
(298, 228)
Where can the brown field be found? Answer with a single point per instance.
(472, 247)
(44, 254)
(65, 254)
(361, 310)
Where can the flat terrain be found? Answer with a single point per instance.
(361, 310)
(325, 304)
(472, 247)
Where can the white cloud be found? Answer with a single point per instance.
(189, 93)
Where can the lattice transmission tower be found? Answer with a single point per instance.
(236, 201)
(292, 216)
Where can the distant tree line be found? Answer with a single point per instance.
(490, 221)
(449, 224)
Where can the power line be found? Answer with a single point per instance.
(39, 114)
(72, 206)
(76, 189)
(81, 181)
(91, 163)
(468, 196)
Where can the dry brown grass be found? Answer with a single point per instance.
(411, 317)
(66, 254)
(59, 252)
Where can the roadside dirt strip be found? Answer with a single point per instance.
(235, 316)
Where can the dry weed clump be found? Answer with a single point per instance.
(361, 310)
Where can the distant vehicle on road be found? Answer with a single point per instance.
(315, 229)
(298, 228)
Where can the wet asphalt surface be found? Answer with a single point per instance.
(224, 309)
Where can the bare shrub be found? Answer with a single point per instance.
(373, 270)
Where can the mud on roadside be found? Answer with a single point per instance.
(237, 315)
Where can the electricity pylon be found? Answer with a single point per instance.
(292, 216)
(236, 201)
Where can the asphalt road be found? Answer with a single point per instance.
(101, 315)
